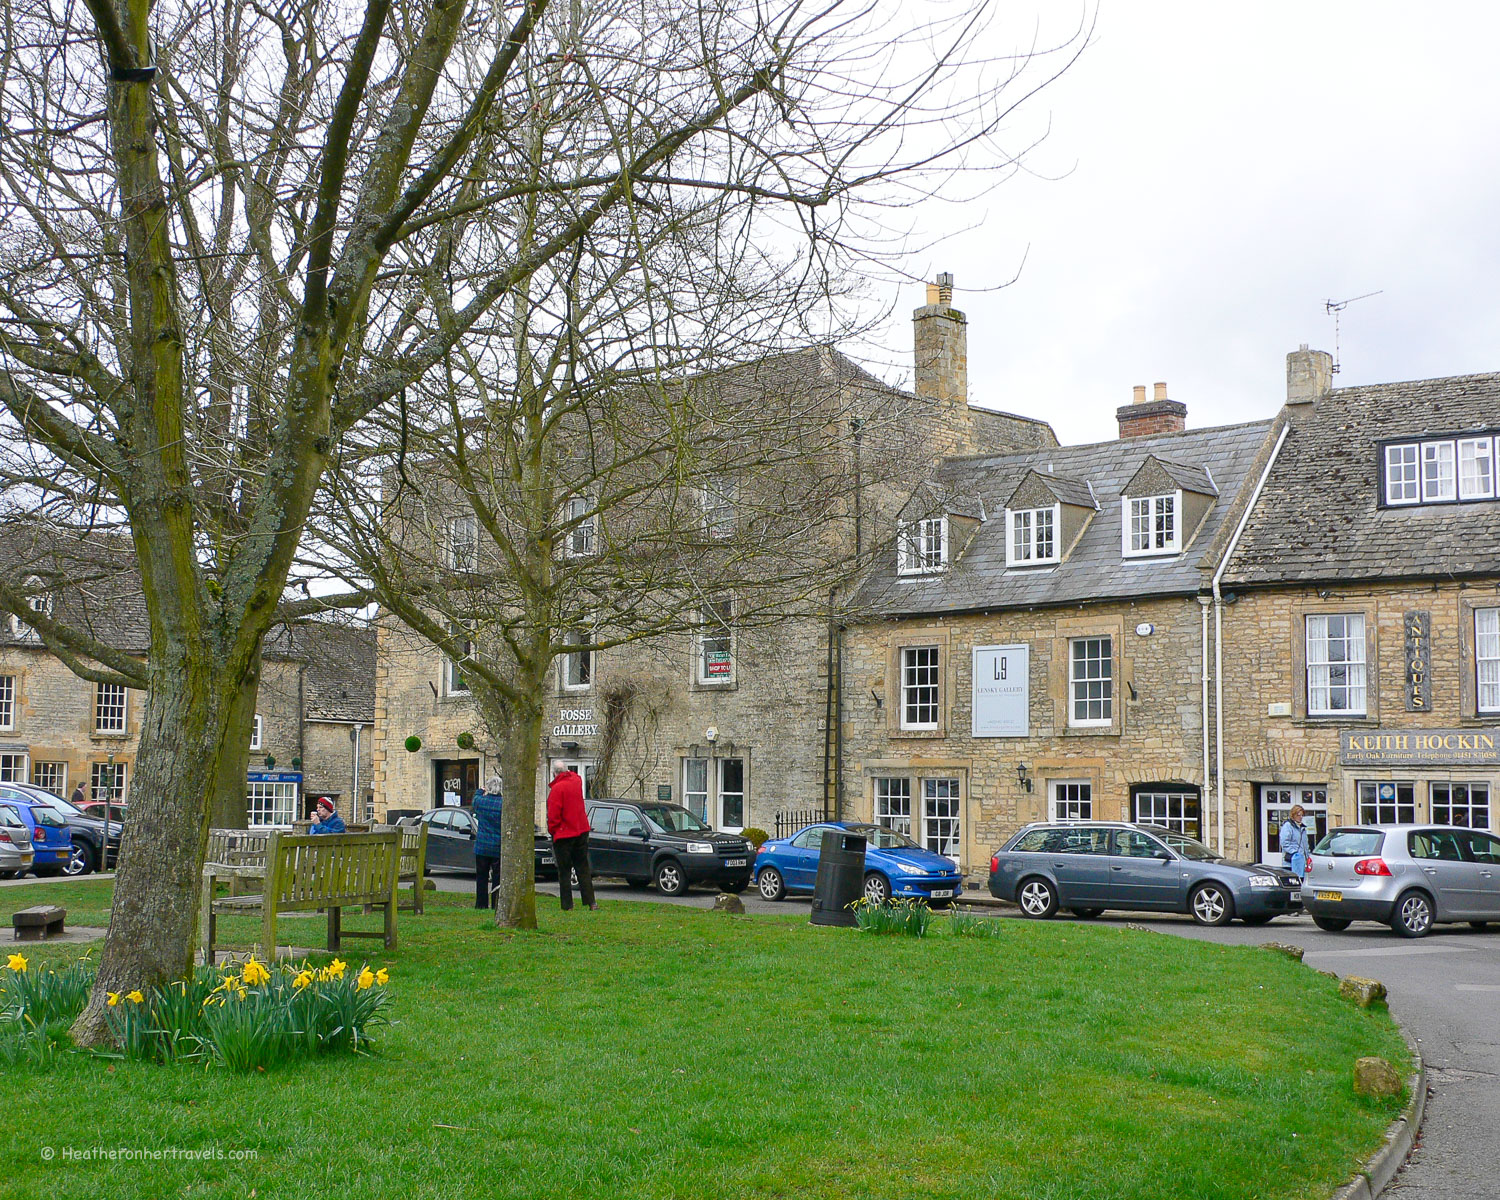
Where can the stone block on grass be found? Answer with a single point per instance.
(728, 902)
(1294, 952)
(1364, 992)
(1375, 1077)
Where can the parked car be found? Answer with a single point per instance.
(95, 842)
(1410, 877)
(95, 808)
(1091, 866)
(51, 839)
(894, 865)
(664, 844)
(15, 843)
(451, 830)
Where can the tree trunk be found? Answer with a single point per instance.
(154, 913)
(226, 808)
(520, 741)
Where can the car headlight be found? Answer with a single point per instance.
(908, 869)
(1264, 881)
(700, 848)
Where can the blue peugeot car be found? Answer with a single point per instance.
(894, 865)
(51, 839)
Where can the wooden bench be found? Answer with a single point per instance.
(413, 860)
(39, 923)
(309, 873)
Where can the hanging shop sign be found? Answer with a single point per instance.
(1420, 748)
(1418, 626)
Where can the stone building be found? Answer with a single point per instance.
(731, 720)
(1362, 622)
(1035, 646)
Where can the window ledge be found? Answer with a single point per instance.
(1335, 719)
(918, 733)
(1110, 730)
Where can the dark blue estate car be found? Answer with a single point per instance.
(894, 865)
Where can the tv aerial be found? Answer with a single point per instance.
(1335, 308)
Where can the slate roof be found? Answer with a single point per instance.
(1189, 478)
(1067, 491)
(340, 670)
(1095, 570)
(91, 578)
(1319, 517)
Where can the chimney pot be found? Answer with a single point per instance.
(1161, 392)
(942, 362)
(932, 293)
(1141, 418)
(945, 288)
(1139, 396)
(1309, 375)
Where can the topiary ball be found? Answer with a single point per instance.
(413, 744)
(466, 741)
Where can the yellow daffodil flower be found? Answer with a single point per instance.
(135, 997)
(382, 976)
(16, 962)
(304, 977)
(336, 968)
(256, 974)
(114, 998)
(366, 978)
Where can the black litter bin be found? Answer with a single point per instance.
(841, 878)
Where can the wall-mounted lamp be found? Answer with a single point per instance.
(1022, 777)
(875, 696)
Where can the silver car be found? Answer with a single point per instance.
(1410, 877)
(15, 843)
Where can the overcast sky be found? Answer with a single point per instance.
(1226, 169)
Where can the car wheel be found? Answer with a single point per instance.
(1088, 914)
(1037, 898)
(670, 881)
(638, 884)
(81, 860)
(877, 888)
(1413, 915)
(1211, 904)
(9, 874)
(1332, 924)
(770, 883)
(1261, 919)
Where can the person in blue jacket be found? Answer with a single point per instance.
(326, 818)
(1295, 842)
(486, 847)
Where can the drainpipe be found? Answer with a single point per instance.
(1219, 631)
(354, 806)
(1204, 603)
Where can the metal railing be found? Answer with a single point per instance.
(789, 820)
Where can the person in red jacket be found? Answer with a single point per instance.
(569, 826)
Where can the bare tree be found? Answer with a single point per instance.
(224, 228)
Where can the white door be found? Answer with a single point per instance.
(584, 768)
(1276, 804)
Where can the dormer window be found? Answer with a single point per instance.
(1152, 525)
(1440, 470)
(38, 601)
(1031, 536)
(922, 546)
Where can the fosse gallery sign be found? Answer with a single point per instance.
(1002, 691)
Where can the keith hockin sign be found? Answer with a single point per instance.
(1418, 626)
(1420, 747)
(1002, 691)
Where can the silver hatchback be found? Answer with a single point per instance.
(15, 843)
(1410, 877)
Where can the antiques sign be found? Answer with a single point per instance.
(575, 722)
(1002, 691)
(1418, 626)
(1420, 748)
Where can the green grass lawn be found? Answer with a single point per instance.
(653, 1051)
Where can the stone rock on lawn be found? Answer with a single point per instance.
(1282, 948)
(1364, 992)
(1375, 1077)
(728, 902)
(429, 885)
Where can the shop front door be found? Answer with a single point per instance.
(1276, 803)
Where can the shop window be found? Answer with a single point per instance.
(51, 777)
(270, 803)
(107, 782)
(1387, 803)
(1178, 809)
(893, 804)
(1466, 804)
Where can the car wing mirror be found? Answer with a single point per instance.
(1163, 856)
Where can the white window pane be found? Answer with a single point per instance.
(1336, 664)
(919, 687)
(1476, 468)
(1439, 480)
(940, 816)
(1487, 658)
(7, 701)
(893, 804)
(1401, 476)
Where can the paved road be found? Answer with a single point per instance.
(1445, 990)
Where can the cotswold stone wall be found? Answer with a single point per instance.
(1155, 737)
(1269, 737)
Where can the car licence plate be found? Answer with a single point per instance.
(1335, 896)
(941, 893)
(1296, 896)
(734, 862)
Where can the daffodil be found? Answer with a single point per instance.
(16, 962)
(135, 997)
(336, 968)
(114, 998)
(256, 974)
(382, 976)
(366, 978)
(303, 979)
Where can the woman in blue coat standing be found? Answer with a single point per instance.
(486, 847)
(1295, 843)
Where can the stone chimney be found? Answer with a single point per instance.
(942, 357)
(1158, 415)
(1309, 375)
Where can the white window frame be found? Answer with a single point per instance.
(272, 799)
(921, 686)
(8, 703)
(715, 634)
(96, 790)
(1080, 686)
(576, 667)
(942, 815)
(1024, 538)
(718, 499)
(1439, 472)
(1168, 808)
(463, 543)
(1474, 807)
(115, 725)
(1480, 481)
(922, 546)
(257, 728)
(892, 807)
(1372, 810)
(581, 539)
(60, 777)
(1487, 660)
(36, 601)
(743, 793)
(1146, 515)
(1321, 666)
(454, 683)
(1403, 474)
(15, 767)
(1070, 799)
(694, 788)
